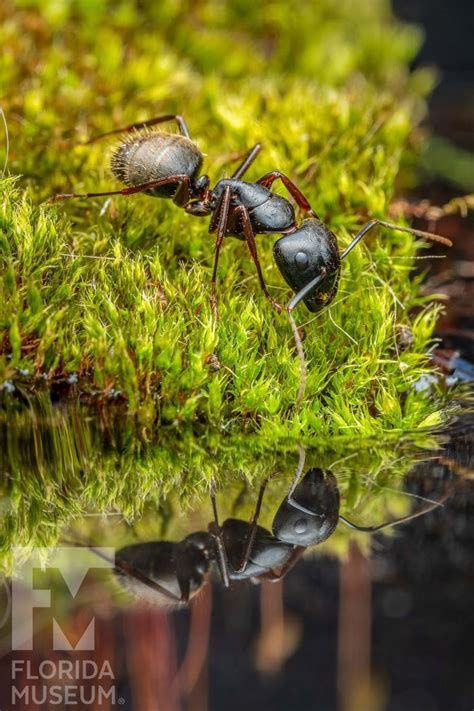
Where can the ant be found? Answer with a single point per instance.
(168, 165)
(173, 572)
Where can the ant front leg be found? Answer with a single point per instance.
(219, 222)
(252, 532)
(273, 576)
(180, 179)
(181, 123)
(250, 239)
(303, 203)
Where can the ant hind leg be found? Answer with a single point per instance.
(247, 162)
(181, 179)
(181, 123)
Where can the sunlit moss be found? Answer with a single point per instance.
(118, 298)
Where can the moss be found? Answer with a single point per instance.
(116, 295)
(73, 474)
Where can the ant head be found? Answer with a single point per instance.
(201, 206)
(302, 255)
(311, 514)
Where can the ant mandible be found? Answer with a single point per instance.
(167, 165)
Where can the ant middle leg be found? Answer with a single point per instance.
(250, 239)
(181, 123)
(302, 202)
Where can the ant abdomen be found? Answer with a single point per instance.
(154, 156)
(164, 564)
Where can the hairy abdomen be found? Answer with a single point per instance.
(143, 159)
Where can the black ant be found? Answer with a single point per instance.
(173, 572)
(167, 165)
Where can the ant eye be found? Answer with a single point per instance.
(301, 260)
(301, 525)
(202, 182)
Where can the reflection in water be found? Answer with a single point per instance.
(61, 464)
(317, 633)
(168, 571)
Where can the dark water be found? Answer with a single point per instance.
(360, 620)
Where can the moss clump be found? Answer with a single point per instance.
(116, 297)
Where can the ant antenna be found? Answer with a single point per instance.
(395, 522)
(296, 334)
(296, 478)
(300, 351)
(410, 230)
(314, 283)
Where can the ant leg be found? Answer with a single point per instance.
(302, 202)
(182, 178)
(273, 577)
(252, 531)
(183, 129)
(183, 194)
(221, 223)
(247, 162)
(216, 531)
(373, 223)
(250, 239)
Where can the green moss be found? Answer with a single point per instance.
(120, 297)
(67, 473)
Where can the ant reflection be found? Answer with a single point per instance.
(173, 572)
